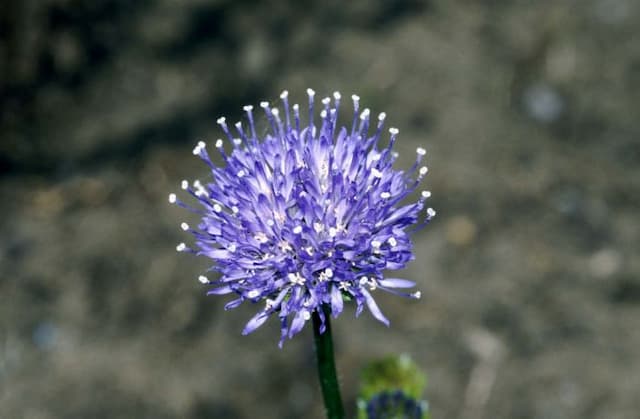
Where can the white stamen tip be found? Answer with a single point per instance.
(253, 293)
(235, 209)
(217, 208)
(336, 95)
(323, 114)
(284, 94)
(306, 315)
(232, 247)
(237, 141)
(392, 241)
(385, 195)
(221, 120)
(375, 244)
(426, 194)
(326, 101)
(365, 114)
(184, 185)
(275, 112)
(332, 231)
(219, 143)
(241, 173)
(261, 237)
(264, 104)
(394, 131)
(296, 278)
(310, 92)
(382, 116)
(355, 98)
(328, 272)
(421, 151)
(181, 247)
(424, 170)
(297, 230)
(296, 107)
(247, 108)
(431, 212)
(376, 173)
(203, 279)
(172, 198)
(196, 150)
(184, 226)
(417, 294)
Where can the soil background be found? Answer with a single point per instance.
(530, 114)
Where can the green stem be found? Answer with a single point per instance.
(327, 367)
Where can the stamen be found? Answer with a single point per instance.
(284, 96)
(295, 278)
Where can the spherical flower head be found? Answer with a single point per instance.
(305, 216)
(394, 404)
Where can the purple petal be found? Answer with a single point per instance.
(216, 253)
(336, 302)
(297, 324)
(220, 291)
(255, 322)
(323, 326)
(283, 330)
(373, 308)
(396, 283)
(233, 304)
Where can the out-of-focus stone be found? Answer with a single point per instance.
(604, 263)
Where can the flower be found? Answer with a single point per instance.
(305, 216)
(394, 404)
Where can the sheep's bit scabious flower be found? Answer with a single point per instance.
(305, 216)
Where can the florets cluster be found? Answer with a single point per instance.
(305, 216)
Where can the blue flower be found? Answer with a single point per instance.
(305, 216)
(394, 405)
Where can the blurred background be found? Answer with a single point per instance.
(530, 114)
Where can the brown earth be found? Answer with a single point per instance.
(530, 115)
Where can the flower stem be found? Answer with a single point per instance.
(327, 367)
